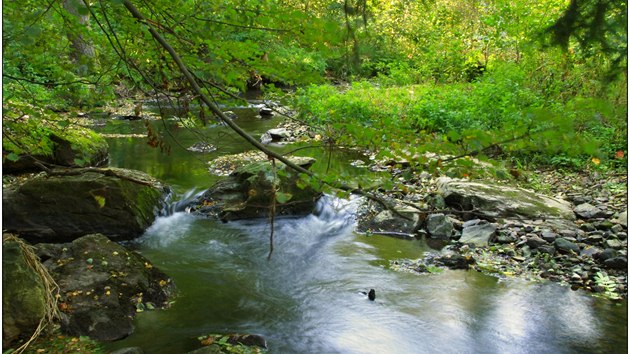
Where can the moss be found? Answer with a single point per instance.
(29, 131)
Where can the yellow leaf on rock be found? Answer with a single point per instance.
(100, 200)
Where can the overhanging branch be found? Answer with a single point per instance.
(215, 109)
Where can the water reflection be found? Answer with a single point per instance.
(307, 298)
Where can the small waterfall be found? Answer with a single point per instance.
(182, 203)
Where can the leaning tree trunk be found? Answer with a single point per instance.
(82, 54)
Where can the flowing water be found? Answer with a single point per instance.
(308, 298)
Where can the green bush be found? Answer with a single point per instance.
(468, 117)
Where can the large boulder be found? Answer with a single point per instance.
(494, 201)
(248, 192)
(102, 286)
(23, 294)
(65, 205)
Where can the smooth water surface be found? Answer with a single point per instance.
(307, 298)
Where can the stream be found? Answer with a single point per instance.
(308, 298)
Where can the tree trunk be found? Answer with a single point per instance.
(82, 53)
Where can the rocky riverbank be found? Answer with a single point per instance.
(585, 250)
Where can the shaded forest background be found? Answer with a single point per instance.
(529, 82)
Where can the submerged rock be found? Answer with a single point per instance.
(103, 285)
(248, 192)
(118, 203)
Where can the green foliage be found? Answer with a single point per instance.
(608, 284)
(28, 130)
(503, 106)
(229, 343)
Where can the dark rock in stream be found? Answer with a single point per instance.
(102, 286)
(275, 135)
(439, 226)
(248, 192)
(118, 203)
(373, 218)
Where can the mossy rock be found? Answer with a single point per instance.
(248, 192)
(50, 140)
(103, 285)
(494, 201)
(118, 203)
(23, 295)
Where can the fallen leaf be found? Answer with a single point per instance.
(208, 341)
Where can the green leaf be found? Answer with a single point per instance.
(100, 200)
(12, 156)
(282, 197)
(80, 162)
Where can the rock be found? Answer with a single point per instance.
(386, 221)
(616, 263)
(506, 236)
(588, 211)
(71, 144)
(617, 228)
(606, 225)
(534, 241)
(265, 112)
(562, 244)
(230, 114)
(472, 222)
(622, 219)
(128, 350)
(103, 285)
(118, 203)
(606, 254)
(591, 251)
(548, 235)
(615, 244)
(455, 261)
(209, 349)
(23, 294)
(439, 226)
(275, 135)
(568, 233)
(247, 192)
(479, 234)
(495, 201)
(548, 249)
(202, 147)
